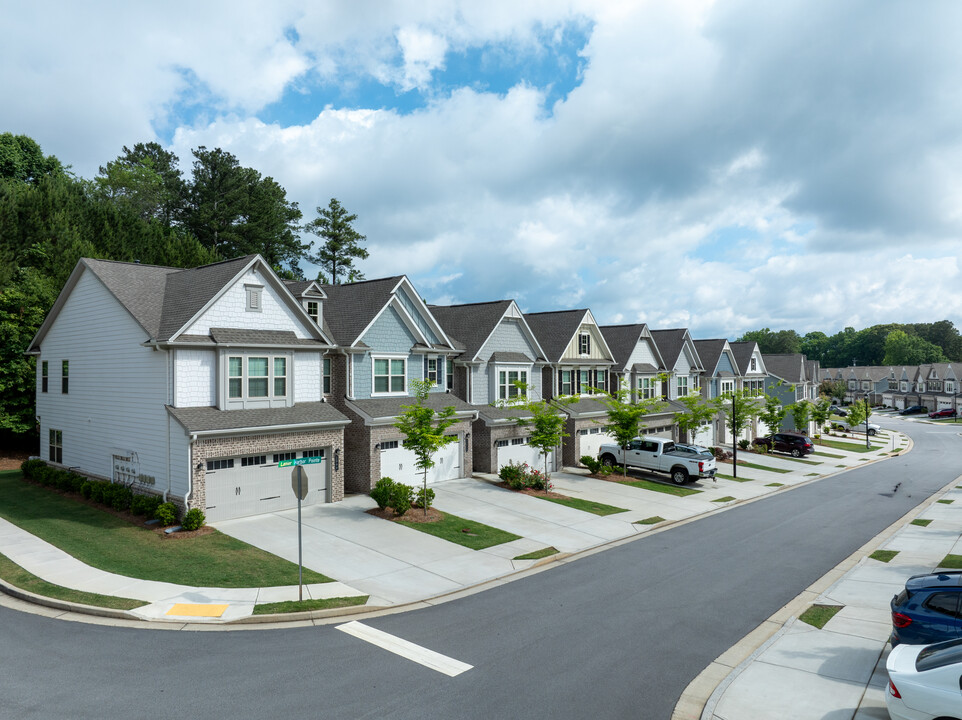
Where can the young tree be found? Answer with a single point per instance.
(423, 430)
(546, 421)
(739, 407)
(697, 412)
(624, 416)
(820, 413)
(801, 414)
(342, 243)
(832, 389)
(773, 414)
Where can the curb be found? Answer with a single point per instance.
(329, 616)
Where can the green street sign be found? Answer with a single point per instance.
(300, 461)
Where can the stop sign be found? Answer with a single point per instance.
(299, 482)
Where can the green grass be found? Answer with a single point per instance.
(829, 455)
(292, 606)
(775, 485)
(798, 460)
(921, 523)
(538, 554)
(727, 498)
(952, 562)
(841, 466)
(763, 467)
(17, 576)
(884, 555)
(104, 541)
(468, 533)
(812, 474)
(732, 477)
(818, 615)
(661, 487)
(653, 520)
(595, 508)
(849, 446)
(945, 502)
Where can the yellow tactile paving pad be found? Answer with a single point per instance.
(189, 610)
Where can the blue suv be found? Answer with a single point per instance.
(928, 610)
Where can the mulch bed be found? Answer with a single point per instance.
(533, 492)
(414, 515)
(12, 460)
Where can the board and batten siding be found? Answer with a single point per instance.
(117, 388)
(571, 352)
(230, 310)
(195, 378)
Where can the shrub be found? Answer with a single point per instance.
(29, 467)
(121, 497)
(513, 471)
(97, 489)
(743, 444)
(606, 470)
(593, 464)
(537, 480)
(85, 489)
(193, 519)
(424, 499)
(381, 494)
(402, 496)
(166, 513)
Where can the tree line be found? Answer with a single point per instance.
(886, 344)
(140, 207)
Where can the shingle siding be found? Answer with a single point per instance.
(307, 377)
(416, 315)
(195, 374)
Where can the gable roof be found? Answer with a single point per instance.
(743, 351)
(710, 352)
(670, 344)
(623, 339)
(555, 330)
(163, 300)
(786, 366)
(473, 323)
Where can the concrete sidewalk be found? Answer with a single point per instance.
(803, 673)
(396, 565)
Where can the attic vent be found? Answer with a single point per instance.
(253, 293)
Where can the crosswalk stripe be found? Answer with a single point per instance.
(391, 643)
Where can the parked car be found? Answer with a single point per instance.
(928, 609)
(924, 681)
(836, 410)
(944, 412)
(914, 410)
(794, 444)
(859, 428)
(693, 449)
(660, 455)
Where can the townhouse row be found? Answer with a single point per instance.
(204, 384)
(933, 385)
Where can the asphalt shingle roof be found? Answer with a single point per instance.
(350, 308)
(554, 330)
(211, 419)
(235, 336)
(139, 288)
(787, 366)
(393, 406)
(471, 324)
(670, 344)
(622, 340)
(710, 352)
(743, 352)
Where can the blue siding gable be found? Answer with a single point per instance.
(725, 365)
(387, 335)
(417, 316)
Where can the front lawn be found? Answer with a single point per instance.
(538, 554)
(660, 487)
(114, 545)
(732, 477)
(829, 455)
(18, 577)
(762, 467)
(884, 555)
(849, 446)
(586, 505)
(470, 534)
(818, 615)
(292, 606)
(921, 523)
(951, 562)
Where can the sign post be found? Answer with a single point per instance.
(299, 485)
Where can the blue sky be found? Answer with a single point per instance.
(723, 165)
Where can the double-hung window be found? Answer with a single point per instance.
(646, 388)
(312, 308)
(257, 374)
(450, 374)
(327, 376)
(584, 344)
(431, 368)
(682, 385)
(566, 388)
(507, 383)
(600, 380)
(280, 377)
(584, 378)
(390, 375)
(56, 446)
(235, 378)
(256, 377)
(65, 377)
(43, 376)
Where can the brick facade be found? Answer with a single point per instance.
(485, 437)
(221, 447)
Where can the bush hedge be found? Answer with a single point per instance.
(381, 494)
(166, 513)
(193, 519)
(520, 476)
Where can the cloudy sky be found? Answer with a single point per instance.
(719, 165)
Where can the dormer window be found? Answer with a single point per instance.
(312, 307)
(584, 344)
(253, 296)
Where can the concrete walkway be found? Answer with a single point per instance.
(803, 673)
(396, 565)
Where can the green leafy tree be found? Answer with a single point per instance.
(624, 416)
(740, 408)
(781, 341)
(904, 349)
(217, 200)
(820, 413)
(22, 160)
(832, 389)
(342, 243)
(148, 178)
(423, 429)
(856, 413)
(271, 225)
(697, 412)
(772, 414)
(801, 414)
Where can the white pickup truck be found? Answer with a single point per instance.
(659, 454)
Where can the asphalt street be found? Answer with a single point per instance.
(616, 634)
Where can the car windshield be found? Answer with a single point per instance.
(939, 655)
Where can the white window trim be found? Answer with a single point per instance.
(389, 357)
(317, 309)
(649, 393)
(245, 401)
(501, 368)
(678, 385)
(587, 337)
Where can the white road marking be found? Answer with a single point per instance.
(391, 643)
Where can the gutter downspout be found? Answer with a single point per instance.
(190, 468)
(169, 399)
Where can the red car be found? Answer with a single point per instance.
(944, 412)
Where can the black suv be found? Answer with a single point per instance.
(928, 609)
(795, 445)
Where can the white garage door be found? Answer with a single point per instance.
(944, 404)
(517, 450)
(254, 484)
(399, 463)
(591, 441)
(900, 403)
